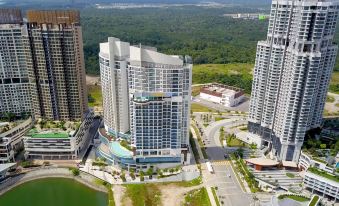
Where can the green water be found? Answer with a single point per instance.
(53, 192)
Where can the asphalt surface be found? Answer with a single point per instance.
(229, 191)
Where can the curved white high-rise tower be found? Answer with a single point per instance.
(146, 100)
(114, 57)
(292, 73)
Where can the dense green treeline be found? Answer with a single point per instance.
(202, 33)
(238, 75)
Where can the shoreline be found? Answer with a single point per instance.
(84, 179)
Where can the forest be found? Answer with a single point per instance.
(203, 33)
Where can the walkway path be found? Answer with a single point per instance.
(40, 173)
(203, 168)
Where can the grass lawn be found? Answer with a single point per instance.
(330, 99)
(290, 175)
(143, 194)
(95, 95)
(334, 84)
(323, 174)
(234, 142)
(243, 128)
(196, 90)
(197, 197)
(327, 113)
(314, 200)
(194, 182)
(294, 197)
(195, 107)
(237, 74)
(215, 196)
(219, 118)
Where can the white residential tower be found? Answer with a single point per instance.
(146, 101)
(292, 73)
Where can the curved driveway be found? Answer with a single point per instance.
(229, 190)
(214, 148)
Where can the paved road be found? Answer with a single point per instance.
(213, 146)
(229, 191)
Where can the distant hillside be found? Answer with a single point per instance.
(81, 3)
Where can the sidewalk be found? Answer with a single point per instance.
(202, 160)
(195, 137)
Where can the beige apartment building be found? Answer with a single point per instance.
(55, 64)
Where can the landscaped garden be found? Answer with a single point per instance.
(195, 107)
(314, 200)
(233, 141)
(241, 167)
(297, 198)
(323, 174)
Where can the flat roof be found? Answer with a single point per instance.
(34, 133)
(6, 166)
(262, 162)
(289, 164)
(216, 89)
(50, 135)
(323, 174)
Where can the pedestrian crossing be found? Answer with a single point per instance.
(220, 162)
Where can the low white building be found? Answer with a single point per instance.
(322, 182)
(11, 134)
(4, 168)
(222, 94)
(59, 143)
(306, 160)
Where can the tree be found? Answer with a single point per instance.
(142, 174)
(253, 146)
(322, 146)
(123, 176)
(149, 172)
(9, 116)
(132, 175)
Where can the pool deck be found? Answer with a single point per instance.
(120, 151)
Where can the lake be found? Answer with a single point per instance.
(53, 192)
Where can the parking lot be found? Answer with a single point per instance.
(228, 190)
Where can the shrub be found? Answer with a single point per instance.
(75, 171)
(123, 177)
(132, 175)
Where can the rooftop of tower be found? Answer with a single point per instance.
(10, 16)
(139, 53)
(53, 16)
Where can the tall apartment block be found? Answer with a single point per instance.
(150, 93)
(14, 84)
(55, 63)
(114, 57)
(292, 73)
